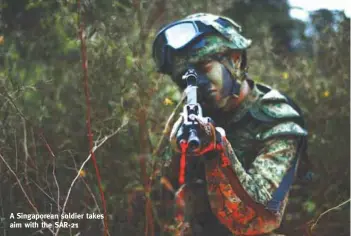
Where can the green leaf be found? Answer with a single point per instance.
(129, 61)
(309, 206)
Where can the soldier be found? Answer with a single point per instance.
(238, 181)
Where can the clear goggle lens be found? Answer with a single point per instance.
(181, 34)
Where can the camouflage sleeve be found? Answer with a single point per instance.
(239, 198)
(268, 169)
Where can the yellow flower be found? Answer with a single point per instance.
(82, 173)
(167, 101)
(326, 94)
(2, 40)
(285, 75)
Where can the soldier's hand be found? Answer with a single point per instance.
(208, 135)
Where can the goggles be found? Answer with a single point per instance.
(176, 36)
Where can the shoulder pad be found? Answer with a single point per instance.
(273, 96)
(279, 110)
(272, 106)
(283, 129)
(263, 87)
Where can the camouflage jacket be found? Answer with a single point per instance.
(235, 188)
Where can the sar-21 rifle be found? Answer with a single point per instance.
(191, 111)
(189, 141)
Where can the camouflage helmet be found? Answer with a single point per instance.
(193, 39)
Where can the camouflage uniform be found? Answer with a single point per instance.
(262, 138)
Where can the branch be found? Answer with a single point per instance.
(331, 209)
(2, 208)
(82, 166)
(87, 186)
(16, 150)
(83, 48)
(56, 183)
(26, 153)
(94, 198)
(89, 190)
(53, 172)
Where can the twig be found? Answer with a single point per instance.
(94, 198)
(34, 153)
(16, 151)
(82, 166)
(24, 191)
(42, 190)
(53, 170)
(331, 209)
(19, 183)
(47, 182)
(57, 184)
(2, 209)
(54, 173)
(92, 195)
(88, 188)
(26, 153)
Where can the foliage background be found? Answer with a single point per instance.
(42, 104)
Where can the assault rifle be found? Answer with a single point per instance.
(191, 110)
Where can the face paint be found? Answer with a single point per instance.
(215, 84)
(233, 63)
(236, 61)
(218, 79)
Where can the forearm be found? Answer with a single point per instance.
(268, 169)
(232, 204)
